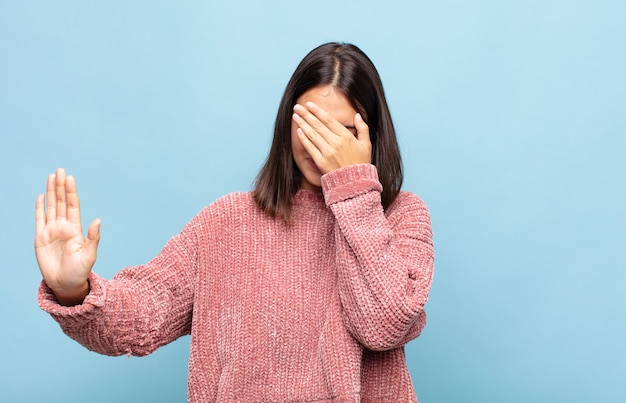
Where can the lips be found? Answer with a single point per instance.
(312, 164)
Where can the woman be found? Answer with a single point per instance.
(304, 290)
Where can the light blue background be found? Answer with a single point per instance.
(511, 118)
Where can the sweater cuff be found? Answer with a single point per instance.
(75, 315)
(348, 182)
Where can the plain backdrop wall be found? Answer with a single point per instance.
(511, 118)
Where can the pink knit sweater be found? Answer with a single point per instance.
(318, 311)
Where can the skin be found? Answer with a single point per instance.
(327, 133)
(64, 256)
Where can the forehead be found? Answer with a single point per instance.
(332, 101)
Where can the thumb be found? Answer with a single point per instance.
(93, 237)
(362, 130)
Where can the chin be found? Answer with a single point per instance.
(312, 182)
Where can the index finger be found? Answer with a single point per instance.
(40, 214)
(327, 120)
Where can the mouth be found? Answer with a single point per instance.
(313, 165)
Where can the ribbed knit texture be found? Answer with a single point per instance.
(318, 311)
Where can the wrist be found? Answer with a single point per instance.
(72, 297)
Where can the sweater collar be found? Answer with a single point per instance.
(308, 197)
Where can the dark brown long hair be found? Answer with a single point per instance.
(348, 69)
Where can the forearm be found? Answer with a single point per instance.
(140, 309)
(385, 259)
(118, 317)
(383, 294)
(81, 321)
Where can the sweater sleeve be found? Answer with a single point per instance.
(385, 258)
(141, 308)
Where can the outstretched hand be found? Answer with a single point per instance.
(64, 256)
(331, 144)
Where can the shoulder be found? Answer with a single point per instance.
(226, 214)
(406, 205)
(231, 206)
(237, 200)
(408, 200)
